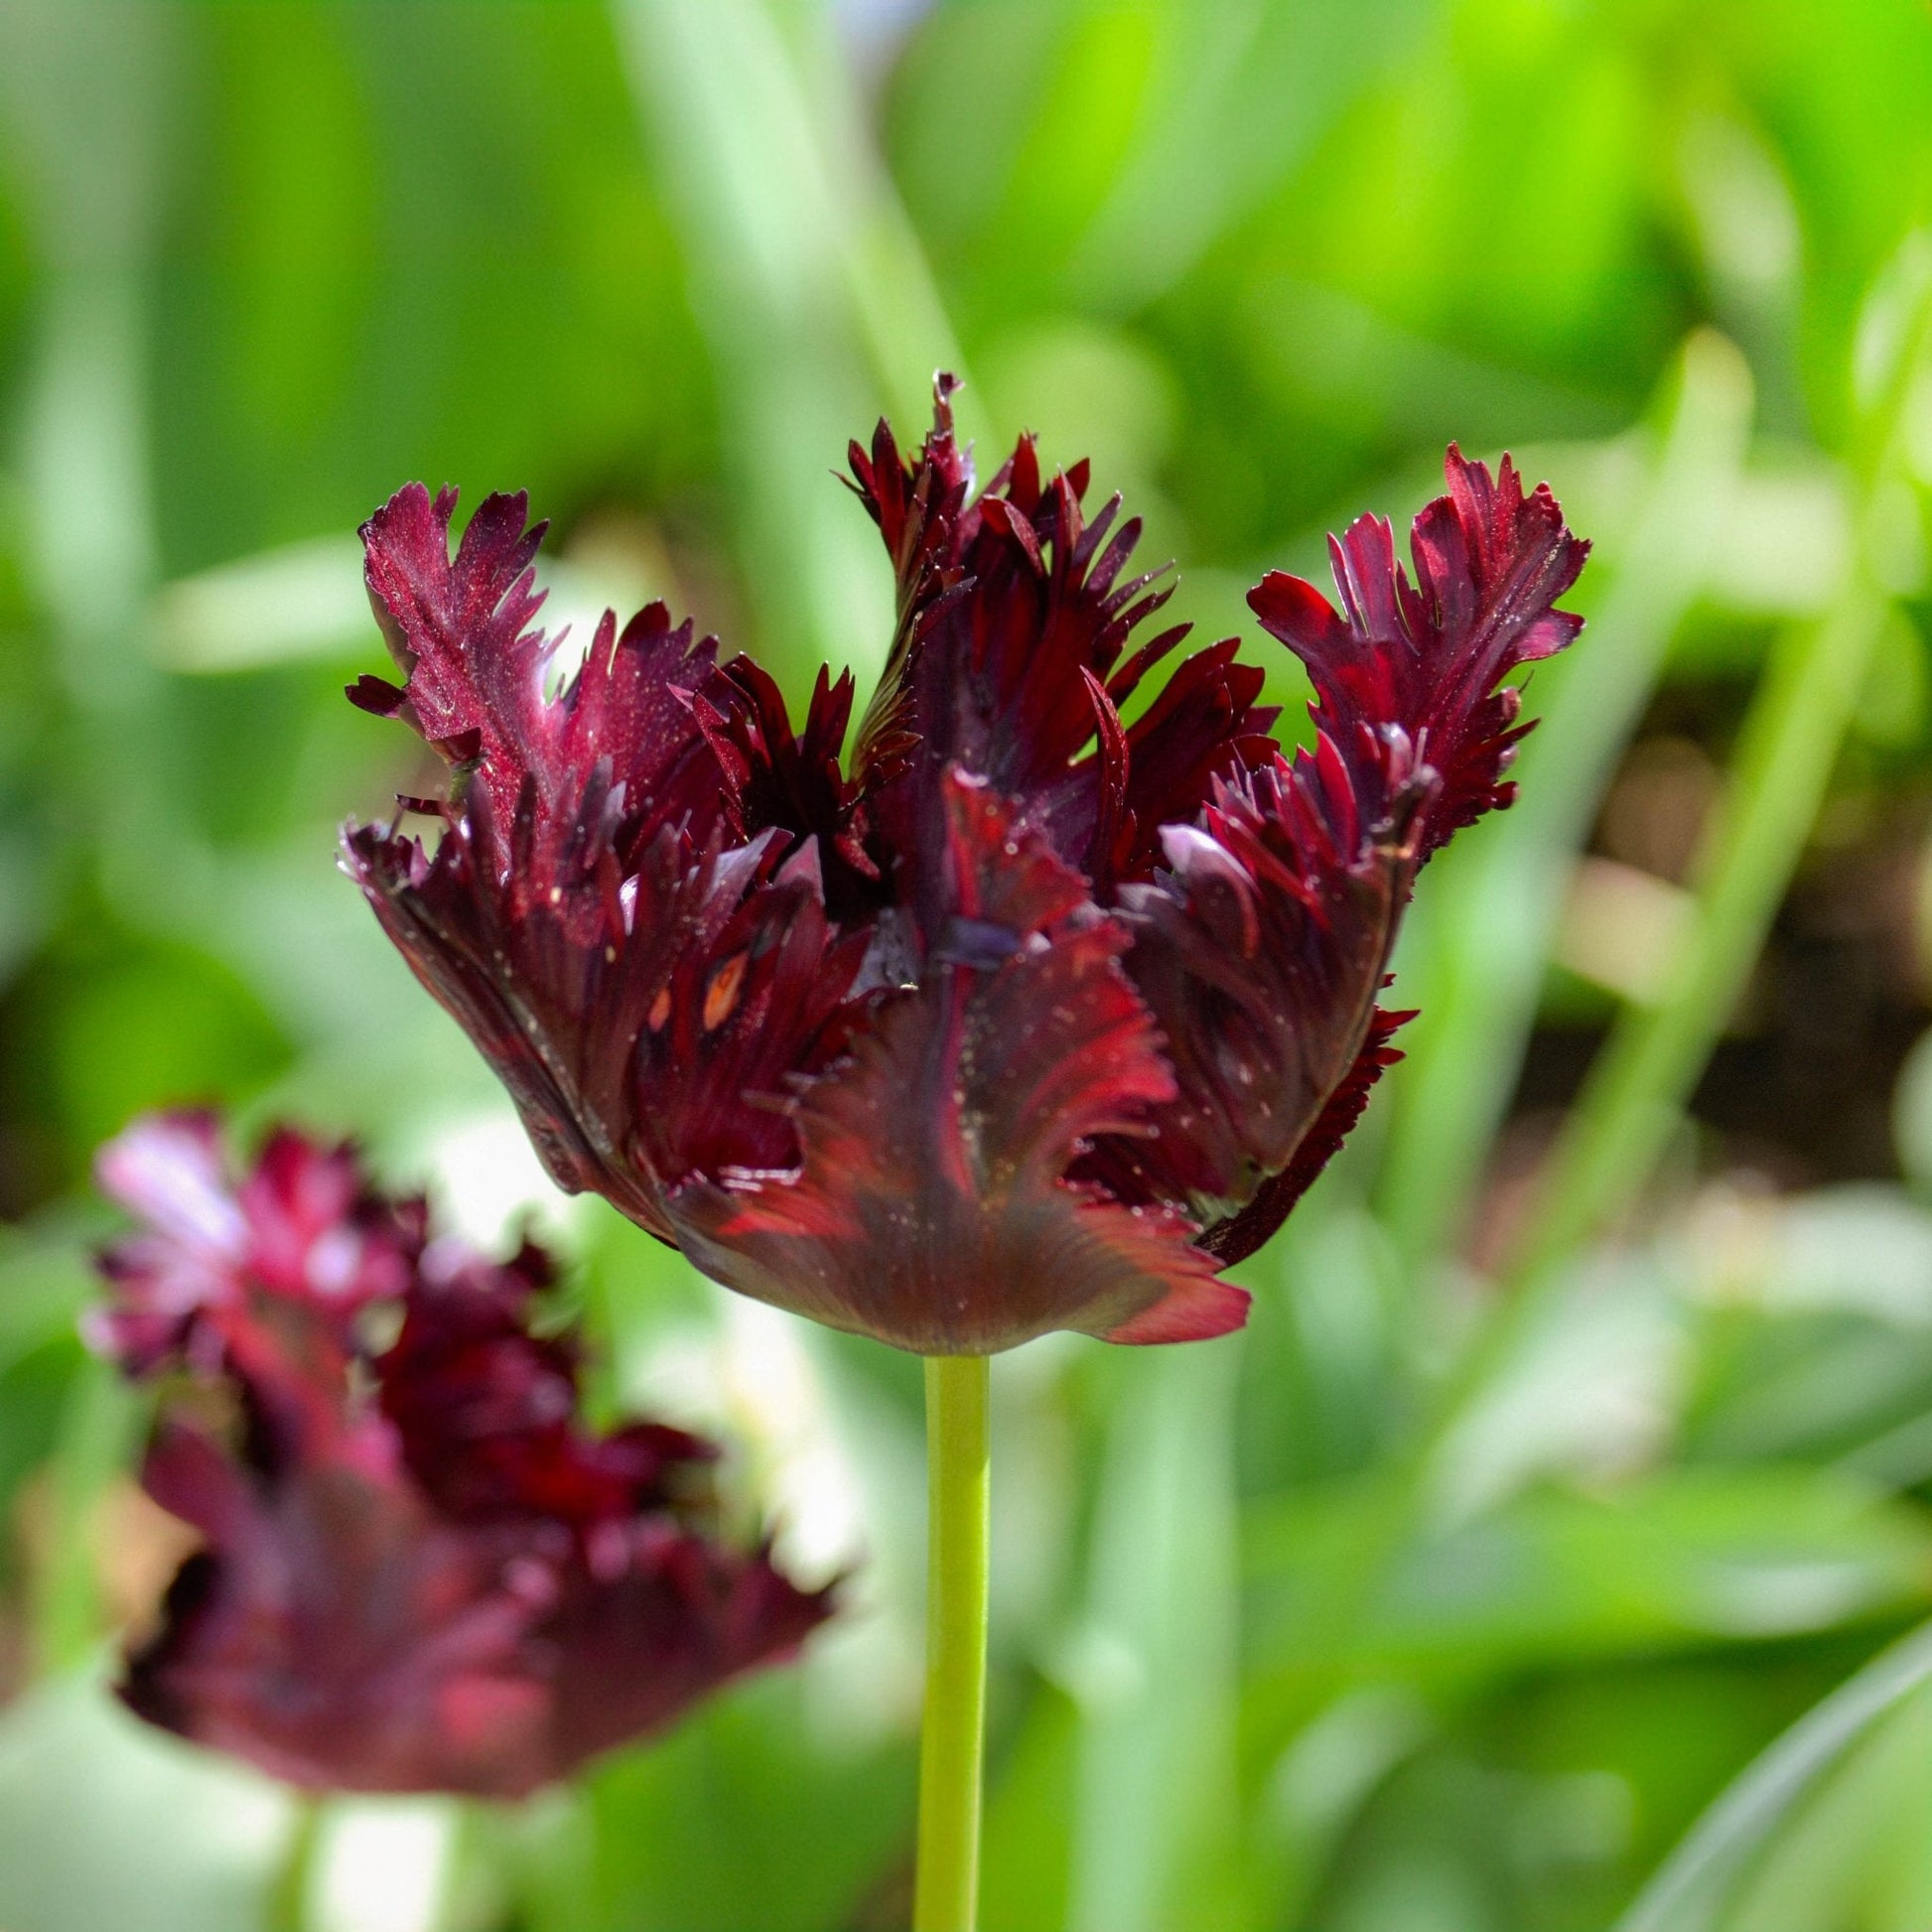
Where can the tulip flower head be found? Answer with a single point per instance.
(1019, 1017)
(420, 1571)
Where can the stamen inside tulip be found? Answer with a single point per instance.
(720, 995)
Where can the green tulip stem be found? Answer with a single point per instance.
(952, 1740)
(293, 1883)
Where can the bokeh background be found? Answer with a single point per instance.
(1553, 1550)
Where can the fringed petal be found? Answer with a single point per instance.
(1405, 674)
(642, 1025)
(1259, 950)
(303, 1225)
(1263, 945)
(931, 1206)
(1011, 606)
(792, 782)
(487, 1412)
(1237, 1237)
(463, 630)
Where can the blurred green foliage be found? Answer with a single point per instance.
(1572, 1482)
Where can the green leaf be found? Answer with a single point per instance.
(1561, 1577)
(1687, 1892)
(1493, 915)
(1152, 1663)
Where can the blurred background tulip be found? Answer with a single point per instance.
(418, 1568)
(1553, 1550)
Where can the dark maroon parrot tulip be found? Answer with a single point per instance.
(1025, 1017)
(420, 1572)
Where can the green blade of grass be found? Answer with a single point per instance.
(1638, 1089)
(1634, 1099)
(97, 1435)
(811, 288)
(1691, 1887)
(1157, 1777)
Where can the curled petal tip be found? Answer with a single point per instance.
(1426, 656)
(1197, 1311)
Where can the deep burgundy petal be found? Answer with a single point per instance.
(336, 1634)
(648, 723)
(1237, 1237)
(522, 986)
(627, 909)
(1261, 947)
(1260, 952)
(1205, 724)
(340, 1634)
(932, 1207)
(463, 629)
(791, 781)
(1012, 607)
(1405, 673)
(668, 1624)
(639, 1024)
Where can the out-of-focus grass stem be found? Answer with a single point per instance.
(1636, 1092)
(89, 141)
(1634, 1099)
(292, 1889)
(1478, 980)
(811, 287)
(92, 1445)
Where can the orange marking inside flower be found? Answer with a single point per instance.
(660, 1010)
(720, 995)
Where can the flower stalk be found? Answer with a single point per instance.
(952, 1739)
(294, 1881)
